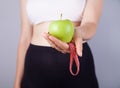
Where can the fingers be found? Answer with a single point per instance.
(78, 41)
(79, 48)
(56, 43)
(59, 43)
(46, 36)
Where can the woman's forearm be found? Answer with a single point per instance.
(22, 47)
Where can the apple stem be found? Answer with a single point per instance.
(61, 16)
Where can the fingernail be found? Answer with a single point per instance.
(50, 37)
(80, 54)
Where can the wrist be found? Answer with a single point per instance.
(78, 33)
(86, 31)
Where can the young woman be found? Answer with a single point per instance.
(43, 60)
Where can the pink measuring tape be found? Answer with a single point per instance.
(73, 57)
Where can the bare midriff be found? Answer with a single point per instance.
(38, 31)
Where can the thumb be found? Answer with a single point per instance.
(78, 44)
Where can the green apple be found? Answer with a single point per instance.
(62, 29)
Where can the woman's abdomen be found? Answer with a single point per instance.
(39, 29)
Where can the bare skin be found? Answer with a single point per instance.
(38, 34)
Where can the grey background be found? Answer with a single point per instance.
(105, 44)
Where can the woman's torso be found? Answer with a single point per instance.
(41, 13)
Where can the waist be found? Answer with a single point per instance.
(39, 29)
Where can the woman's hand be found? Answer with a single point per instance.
(64, 47)
(78, 40)
(56, 43)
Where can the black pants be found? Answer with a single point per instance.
(46, 67)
